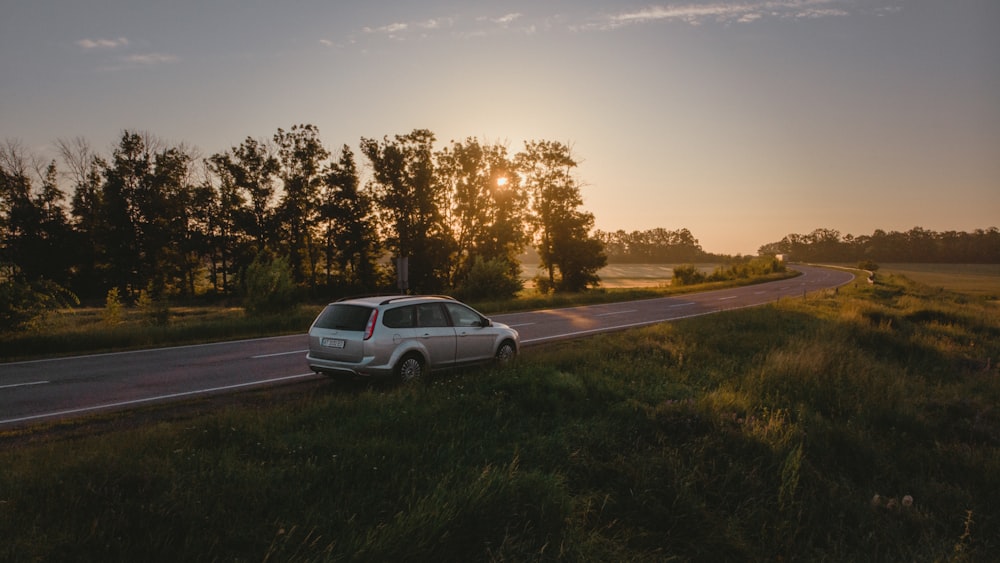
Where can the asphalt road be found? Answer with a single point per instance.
(63, 388)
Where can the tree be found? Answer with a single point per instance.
(86, 172)
(350, 238)
(916, 245)
(35, 230)
(169, 226)
(300, 159)
(653, 246)
(562, 230)
(487, 206)
(410, 205)
(248, 173)
(34, 233)
(146, 217)
(200, 242)
(243, 226)
(122, 213)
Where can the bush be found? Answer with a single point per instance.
(687, 275)
(23, 302)
(112, 313)
(543, 284)
(492, 279)
(268, 286)
(155, 311)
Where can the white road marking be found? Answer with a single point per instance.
(727, 298)
(616, 313)
(151, 399)
(147, 350)
(278, 354)
(23, 384)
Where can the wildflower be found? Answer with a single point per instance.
(907, 501)
(891, 505)
(877, 500)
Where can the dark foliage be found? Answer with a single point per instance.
(981, 246)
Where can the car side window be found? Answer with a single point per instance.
(431, 315)
(463, 316)
(400, 317)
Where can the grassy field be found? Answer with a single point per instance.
(974, 279)
(630, 275)
(857, 425)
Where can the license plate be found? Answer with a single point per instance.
(333, 343)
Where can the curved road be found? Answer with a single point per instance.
(60, 388)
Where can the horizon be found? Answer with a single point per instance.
(742, 122)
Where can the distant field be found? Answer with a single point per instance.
(974, 279)
(628, 275)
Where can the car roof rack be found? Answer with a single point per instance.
(362, 296)
(399, 297)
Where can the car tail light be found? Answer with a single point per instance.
(370, 327)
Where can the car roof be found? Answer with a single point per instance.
(379, 300)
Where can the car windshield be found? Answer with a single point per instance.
(344, 317)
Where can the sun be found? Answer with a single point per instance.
(502, 181)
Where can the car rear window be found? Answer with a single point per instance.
(344, 317)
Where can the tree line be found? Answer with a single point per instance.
(981, 246)
(159, 218)
(654, 246)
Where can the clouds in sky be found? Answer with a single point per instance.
(724, 12)
(89, 44)
(125, 61)
(690, 12)
(148, 59)
(467, 26)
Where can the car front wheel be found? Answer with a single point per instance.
(506, 352)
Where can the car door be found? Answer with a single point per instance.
(475, 341)
(436, 334)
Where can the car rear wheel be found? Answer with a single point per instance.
(410, 368)
(506, 352)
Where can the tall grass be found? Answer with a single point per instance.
(848, 426)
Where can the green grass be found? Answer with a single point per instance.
(761, 434)
(974, 279)
(615, 276)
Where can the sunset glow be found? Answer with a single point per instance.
(742, 121)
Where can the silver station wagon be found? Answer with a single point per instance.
(406, 336)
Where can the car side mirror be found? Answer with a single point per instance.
(486, 323)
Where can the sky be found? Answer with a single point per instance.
(740, 120)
